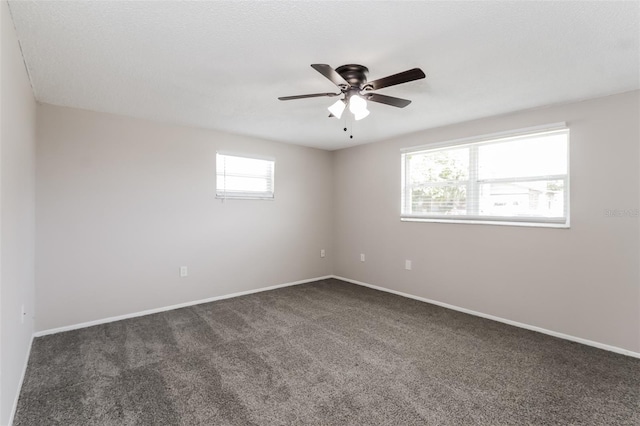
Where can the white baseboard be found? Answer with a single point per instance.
(20, 383)
(169, 308)
(503, 320)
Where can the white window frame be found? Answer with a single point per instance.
(474, 183)
(223, 194)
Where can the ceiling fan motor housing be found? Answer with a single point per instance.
(355, 75)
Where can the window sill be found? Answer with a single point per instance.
(245, 198)
(489, 222)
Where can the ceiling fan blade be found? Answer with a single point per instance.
(312, 95)
(387, 100)
(331, 74)
(392, 80)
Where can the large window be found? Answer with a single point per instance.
(519, 179)
(244, 177)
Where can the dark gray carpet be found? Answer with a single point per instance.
(324, 353)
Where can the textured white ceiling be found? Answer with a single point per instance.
(222, 65)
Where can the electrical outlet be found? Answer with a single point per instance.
(322, 253)
(407, 265)
(183, 271)
(361, 257)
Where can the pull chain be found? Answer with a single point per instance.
(345, 122)
(345, 127)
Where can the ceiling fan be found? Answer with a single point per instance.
(352, 81)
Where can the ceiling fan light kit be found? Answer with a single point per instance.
(352, 81)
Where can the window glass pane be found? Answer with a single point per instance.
(439, 166)
(535, 156)
(241, 166)
(543, 198)
(439, 200)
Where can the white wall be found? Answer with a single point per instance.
(583, 281)
(17, 206)
(122, 203)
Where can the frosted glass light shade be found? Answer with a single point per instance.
(358, 107)
(338, 108)
(361, 114)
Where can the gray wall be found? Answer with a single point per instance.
(582, 281)
(17, 212)
(122, 203)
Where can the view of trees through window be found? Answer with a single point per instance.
(440, 181)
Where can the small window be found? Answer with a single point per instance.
(518, 179)
(244, 177)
